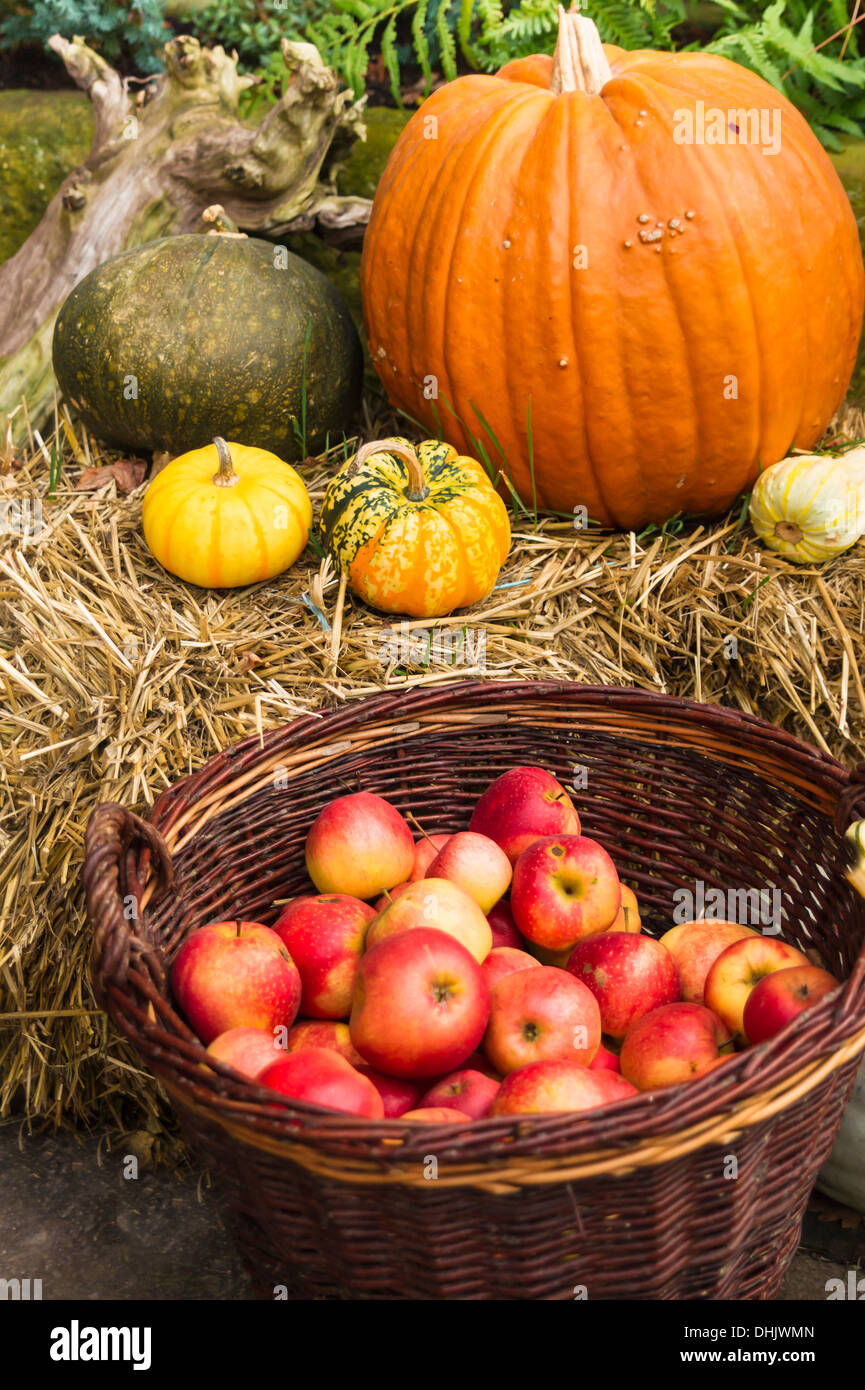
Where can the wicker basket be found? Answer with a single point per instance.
(638, 1200)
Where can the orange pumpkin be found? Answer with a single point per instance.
(636, 323)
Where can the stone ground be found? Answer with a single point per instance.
(70, 1218)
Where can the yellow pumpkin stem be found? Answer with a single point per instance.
(417, 488)
(226, 477)
(579, 62)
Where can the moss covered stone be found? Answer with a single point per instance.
(365, 165)
(43, 136)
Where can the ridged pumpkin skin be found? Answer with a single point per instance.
(422, 558)
(213, 329)
(469, 277)
(220, 537)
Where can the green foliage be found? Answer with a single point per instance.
(346, 33)
(483, 33)
(251, 28)
(130, 34)
(779, 43)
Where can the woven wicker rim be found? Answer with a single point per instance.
(510, 1176)
(128, 965)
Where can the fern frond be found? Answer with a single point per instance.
(421, 42)
(464, 32)
(749, 48)
(447, 44)
(389, 58)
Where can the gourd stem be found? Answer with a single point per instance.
(579, 62)
(226, 477)
(417, 488)
(788, 531)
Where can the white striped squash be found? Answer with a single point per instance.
(811, 507)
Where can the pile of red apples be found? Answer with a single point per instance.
(499, 970)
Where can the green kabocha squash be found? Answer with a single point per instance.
(189, 337)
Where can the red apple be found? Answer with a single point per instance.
(541, 1015)
(397, 1094)
(675, 1043)
(565, 888)
(628, 917)
(324, 936)
(425, 851)
(359, 845)
(696, 946)
(548, 1087)
(435, 1115)
(473, 1092)
(505, 960)
(614, 1086)
(323, 1033)
(248, 1050)
(476, 864)
(523, 805)
(235, 975)
(628, 975)
(320, 1076)
(782, 996)
(504, 928)
(605, 1060)
(738, 969)
(421, 1004)
(441, 906)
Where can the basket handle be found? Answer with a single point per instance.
(113, 890)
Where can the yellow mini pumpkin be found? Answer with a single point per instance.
(419, 531)
(811, 507)
(226, 515)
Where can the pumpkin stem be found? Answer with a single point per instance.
(226, 477)
(417, 488)
(217, 222)
(579, 62)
